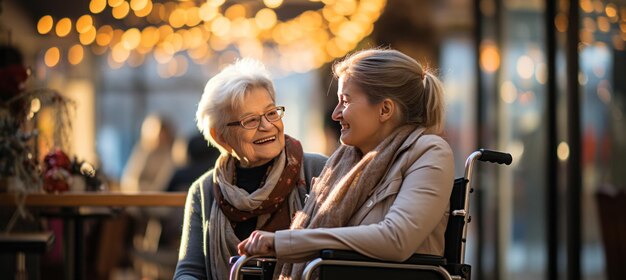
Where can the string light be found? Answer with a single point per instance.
(169, 30)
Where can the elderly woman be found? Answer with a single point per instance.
(385, 192)
(259, 181)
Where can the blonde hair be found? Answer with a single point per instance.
(386, 73)
(225, 92)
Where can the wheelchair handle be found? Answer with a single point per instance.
(495, 157)
(235, 271)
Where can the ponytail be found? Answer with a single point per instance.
(434, 105)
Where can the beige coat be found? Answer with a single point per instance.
(406, 214)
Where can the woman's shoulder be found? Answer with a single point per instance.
(431, 148)
(429, 141)
(204, 182)
(315, 158)
(313, 164)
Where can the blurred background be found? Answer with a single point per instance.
(538, 79)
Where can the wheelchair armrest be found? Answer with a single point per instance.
(262, 267)
(421, 259)
(258, 259)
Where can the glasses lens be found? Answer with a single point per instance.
(251, 122)
(274, 114)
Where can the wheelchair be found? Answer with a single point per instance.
(340, 264)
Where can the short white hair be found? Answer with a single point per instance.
(224, 93)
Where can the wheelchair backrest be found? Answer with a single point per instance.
(454, 231)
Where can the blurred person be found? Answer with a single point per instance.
(259, 181)
(149, 168)
(385, 192)
(200, 158)
(150, 165)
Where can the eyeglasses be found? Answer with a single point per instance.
(253, 122)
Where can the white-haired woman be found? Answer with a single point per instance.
(385, 192)
(258, 182)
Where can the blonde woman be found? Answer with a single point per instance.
(385, 192)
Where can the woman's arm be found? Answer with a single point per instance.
(417, 210)
(191, 258)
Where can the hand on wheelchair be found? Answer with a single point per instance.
(260, 243)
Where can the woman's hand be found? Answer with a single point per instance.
(260, 243)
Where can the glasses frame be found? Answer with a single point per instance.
(240, 122)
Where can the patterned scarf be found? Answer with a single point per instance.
(274, 203)
(347, 181)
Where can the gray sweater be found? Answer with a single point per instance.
(194, 260)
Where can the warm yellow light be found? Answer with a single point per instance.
(64, 26)
(177, 18)
(598, 6)
(181, 65)
(589, 24)
(586, 36)
(88, 36)
(508, 92)
(161, 56)
(311, 21)
(220, 26)
(345, 8)
(618, 43)
(45, 24)
(149, 37)
(350, 31)
(135, 59)
(112, 63)
(331, 15)
(97, 6)
(193, 17)
(265, 18)
(561, 22)
(215, 3)
(562, 151)
(174, 41)
(586, 6)
(489, 58)
(610, 10)
(218, 44)
(273, 4)
(84, 23)
(235, 11)
(75, 54)
(35, 105)
(207, 12)
(131, 38)
(119, 53)
(138, 5)
(332, 49)
(145, 11)
(525, 67)
(198, 52)
(121, 11)
(115, 3)
(52, 57)
(105, 34)
(194, 38)
(603, 24)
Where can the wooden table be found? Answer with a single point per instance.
(112, 199)
(70, 202)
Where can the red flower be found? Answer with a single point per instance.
(57, 159)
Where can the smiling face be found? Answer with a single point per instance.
(360, 121)
(254, 147)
